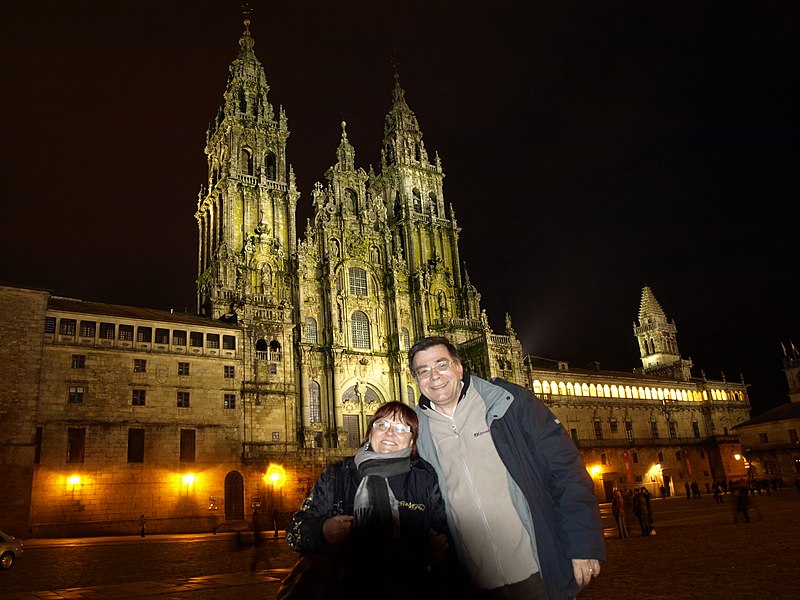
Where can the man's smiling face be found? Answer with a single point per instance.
(438, 376)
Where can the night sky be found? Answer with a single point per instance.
(589, 149)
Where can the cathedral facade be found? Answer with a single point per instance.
(202, 421)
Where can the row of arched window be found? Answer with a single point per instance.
(360, 331)
(632, 392)
(670, 347)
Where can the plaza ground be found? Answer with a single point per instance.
(698, 552)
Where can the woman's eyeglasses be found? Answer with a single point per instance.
(396, 427)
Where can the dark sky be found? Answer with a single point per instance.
(589, 149)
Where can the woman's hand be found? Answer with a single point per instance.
(336, 529)
(437, 547)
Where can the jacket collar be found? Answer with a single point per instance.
(425, 403)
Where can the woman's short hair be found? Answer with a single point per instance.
(401, 412)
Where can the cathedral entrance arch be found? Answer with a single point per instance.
(359, 403)
(234, 496)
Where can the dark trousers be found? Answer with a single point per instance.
(531, 588)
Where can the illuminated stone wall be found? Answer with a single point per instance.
(21, 332)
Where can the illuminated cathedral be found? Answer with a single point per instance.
(199, 420)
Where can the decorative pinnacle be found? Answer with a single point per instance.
(246, 12)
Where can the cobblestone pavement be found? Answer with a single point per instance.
(697, 552)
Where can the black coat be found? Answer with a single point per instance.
(403, 562)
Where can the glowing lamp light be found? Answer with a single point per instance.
(275, 476)
(188, 479)
(74, 481)
(595, 471)
(737, 456)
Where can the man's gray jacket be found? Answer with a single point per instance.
(545, 464)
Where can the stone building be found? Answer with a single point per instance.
(202, 420)
(770, 443)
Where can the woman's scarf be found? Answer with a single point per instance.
(375, 509)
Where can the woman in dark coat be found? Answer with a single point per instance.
(380, 507)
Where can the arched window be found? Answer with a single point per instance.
(434, 204)
(314, 407)
(269, 166)
(242, 102)
(417, 201)
(274, 350)
(247, 161)
(358, 281)
(360, 327)
(405, 339)
(311, 330)
(412, 396)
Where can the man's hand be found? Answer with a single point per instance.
(584, 569)
(336, 529)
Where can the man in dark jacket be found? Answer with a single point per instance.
(520, 504)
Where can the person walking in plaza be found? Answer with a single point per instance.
(695, 490)
(688, 490)
(649, 508)
(741, 505)
(640, 510)
(618, 510)
(520, 503)
(142, 522)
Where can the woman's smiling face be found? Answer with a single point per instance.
(386, 439)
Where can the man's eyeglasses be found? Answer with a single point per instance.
(387, 425)
(442, 366)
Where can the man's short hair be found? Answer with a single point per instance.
(430, 342)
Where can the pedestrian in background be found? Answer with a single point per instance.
(640, 510)
(142, 521)
(618, 509)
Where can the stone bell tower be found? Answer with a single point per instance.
(424, 234)
(658, 345)
(247, 238)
